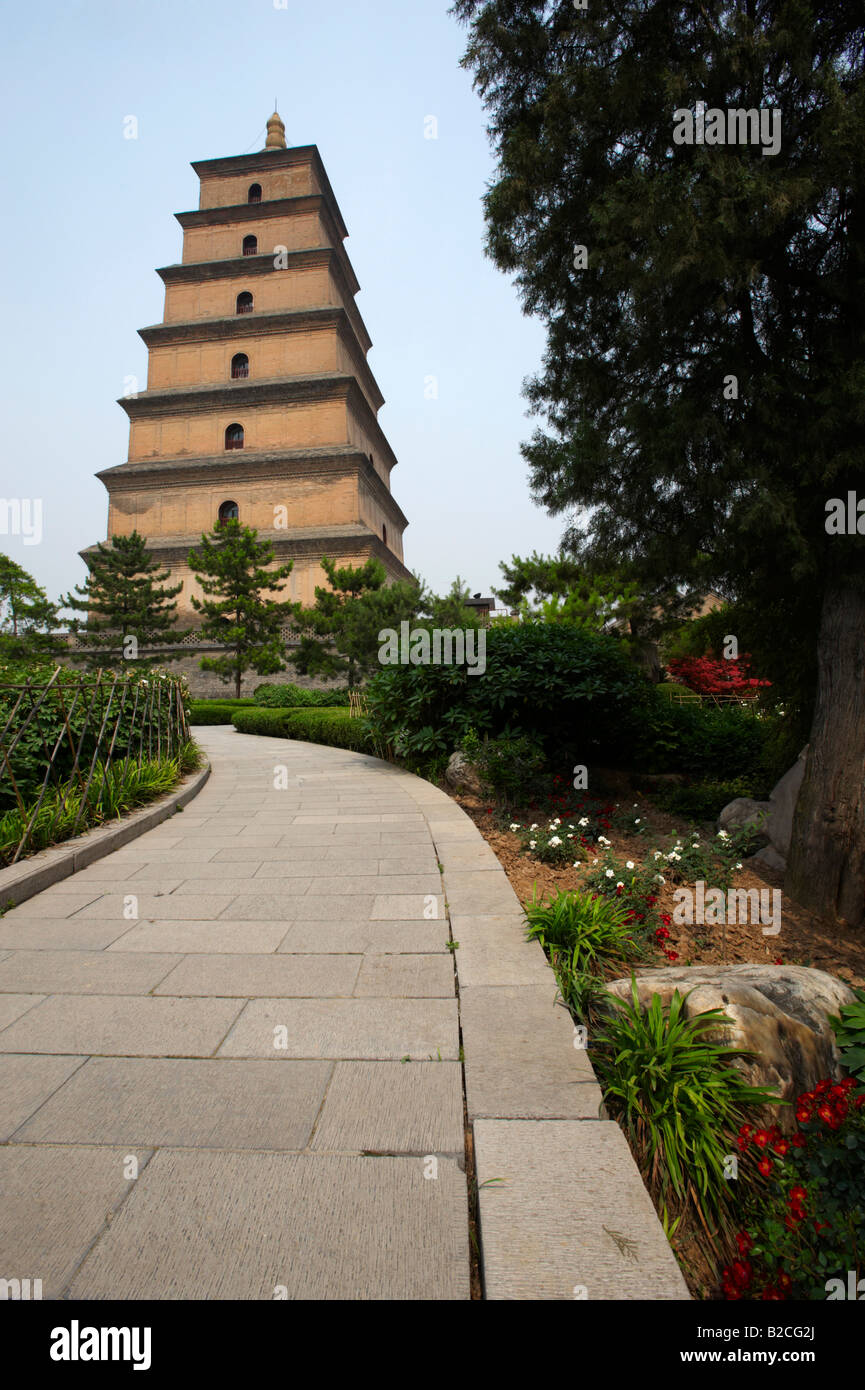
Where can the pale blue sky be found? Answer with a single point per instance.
(88, 215)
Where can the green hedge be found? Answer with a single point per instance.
(299, 697)
(216, 711)
(334, 727)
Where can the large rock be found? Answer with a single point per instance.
(463, 776)
(782, 801)
(745, 811)
(778, 1013)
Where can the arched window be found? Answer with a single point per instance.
(239, 366)
(228, 511)
(250, 246)
(244, 302)
(384, 534)
(234, 437)
(254, 194)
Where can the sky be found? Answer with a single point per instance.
(89, 215)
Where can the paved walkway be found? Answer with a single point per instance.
(150, 1145)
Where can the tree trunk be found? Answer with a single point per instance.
(826, 863)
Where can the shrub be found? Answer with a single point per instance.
(704, 801)
(586, 937)
(569, 689)
(334, 727)
(849, 1028)
(216, 711)
(291, 696)
(805, 1224)
(509, 765)
(704, 741)
(677, 1098)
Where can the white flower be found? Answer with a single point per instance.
(722, 834)
(657, 854)
(514, 826)
(554, 840)
(569, 837)
(637, 821)
(636, 804)
(609, 873)
(576, 863)
(532, 844)
(695, 845)
(533, 827)
(594, 861)
(660, 878)
(570, 827)
(620, 884)
(602, 840)
(584, 821)
(629, 864)
(738, 866)
(557, 821)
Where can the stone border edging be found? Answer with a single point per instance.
(29, 876)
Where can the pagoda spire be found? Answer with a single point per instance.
(275, 132)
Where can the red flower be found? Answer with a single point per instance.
(672, 955)
(781, 1146)
(761, 1138)
(798, 1141)
(744, 1242)
(765, 1165)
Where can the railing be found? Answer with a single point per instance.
(357, 703)
(61, 739)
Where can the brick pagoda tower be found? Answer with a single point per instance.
(259, 399)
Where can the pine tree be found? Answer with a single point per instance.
(28, 619)
(339, 635)
(230, 565)
(704, 377)
(124, 601)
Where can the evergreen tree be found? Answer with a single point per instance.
(27, 618)
(124, 600)
(340, 633)
(704, 378)
(231, 567)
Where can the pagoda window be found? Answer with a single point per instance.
(228, 511)
(239, 366)
(254, 194)
(250, 246)
(244, 302)
(234, 437)
(384, 534)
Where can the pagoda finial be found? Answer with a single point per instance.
(275, 132)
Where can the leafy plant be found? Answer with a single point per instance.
(849, 1029)
(805, 1210)
(676, 1096)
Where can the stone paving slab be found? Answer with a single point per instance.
(59, 934)
(13, 1006)
(372, 1029)
(317, 1226)
(520, 1059)
(83, 972)
(570, 1212)
(263, 976)
(26, 1082)
(393, 1107)
(56, 1203)
(122, 1025)
(212, 938)
(373, 938)
(182, 1103)
(406, 976)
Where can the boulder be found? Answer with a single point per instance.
(770, 857)
(463, 776)
(778, 1014)
(745, 812)
(782, 801)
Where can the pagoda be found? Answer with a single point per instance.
(260, 403)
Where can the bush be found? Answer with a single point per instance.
(706, 741)
(509, 766)
(849, 1029)
(299, 697)
(571, 690)
(334, 727)
(216, 711)
(804, 1227)
(704, 801)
